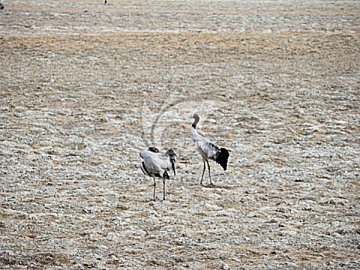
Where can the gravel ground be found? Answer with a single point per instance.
(85, 86)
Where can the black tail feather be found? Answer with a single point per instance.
(222, 158)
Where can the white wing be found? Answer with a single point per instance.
(207, 149)
(156, 162)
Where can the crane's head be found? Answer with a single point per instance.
(170, 153)
(195, 116)
(197, 119)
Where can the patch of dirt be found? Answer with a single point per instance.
(86, 86)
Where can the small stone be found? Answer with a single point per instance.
(81, 146)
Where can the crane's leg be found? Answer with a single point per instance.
(211, 184)
(202, 177)
(164, 187)
(154, 198)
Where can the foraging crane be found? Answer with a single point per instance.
(207, 149)
(156, 164)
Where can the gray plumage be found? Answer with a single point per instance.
(158, 165)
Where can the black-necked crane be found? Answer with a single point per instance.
(156, 164)
(208, 150)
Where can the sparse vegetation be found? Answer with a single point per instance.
(85, 86)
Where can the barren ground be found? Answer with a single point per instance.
(84, 87)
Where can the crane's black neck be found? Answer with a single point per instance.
(196, 121)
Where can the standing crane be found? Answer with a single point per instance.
(156, 164)
(207, 149)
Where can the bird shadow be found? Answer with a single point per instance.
(213, 186)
